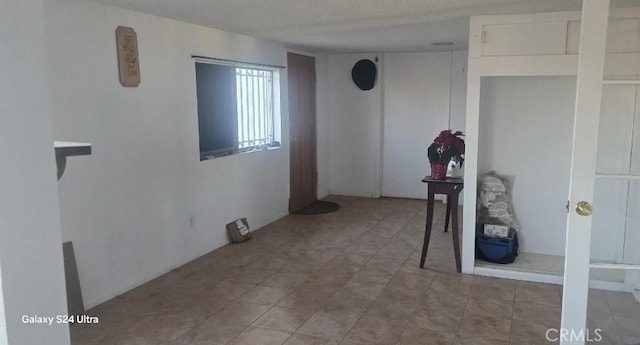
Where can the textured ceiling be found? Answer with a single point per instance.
(348, 25)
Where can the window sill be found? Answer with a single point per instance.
(210, 155)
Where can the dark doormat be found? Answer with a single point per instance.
(318, 207)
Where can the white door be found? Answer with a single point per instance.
(595, 15)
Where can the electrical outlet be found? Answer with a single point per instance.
(191, 221)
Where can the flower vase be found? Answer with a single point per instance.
(438, 171)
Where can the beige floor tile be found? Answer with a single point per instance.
(346, 301)
(627, 327)
(362, 249)
(490, 307)
(409, 286)
(601, 326)
(349, 260)
(630, 340)
(477, 340)
(350, 277)
(418, 336)
(598, 302)
(527, 332)
(351, 342)
(140, 341)
(333, 277)
(308, 298)
(264, 295)
(484, 325)
(545, 294)
(196, 309)
(226, 290)
(282, 319)
(90, 335)
(209, 334)
(452, 284)
(623, 305)
(163, 327)
(362, 290)
(387, 262)
(397, 305)
(329, 325)
(301, 339)
(494, 288)
(439, 311)
(287, 279)
(537, 313)
(412, 266)
(437, 319)
(260, 336)
(250, 275)
(237, 314)
(377, 326)
(372, 275)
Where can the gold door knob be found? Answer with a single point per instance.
(583, 208)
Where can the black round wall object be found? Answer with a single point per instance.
(364, 74)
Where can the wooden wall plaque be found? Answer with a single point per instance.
(128, 62)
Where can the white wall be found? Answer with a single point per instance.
(32, 278)
(416, 109)
(355, 118)
(127, 208)
(323, 120)
(458, 110)
(526, 131)
(371, 154)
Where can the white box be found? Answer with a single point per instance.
(496, 230)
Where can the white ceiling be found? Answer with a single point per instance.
(348, 25)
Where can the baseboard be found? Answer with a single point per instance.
(268, 221)
(202, 251)
(355, 195)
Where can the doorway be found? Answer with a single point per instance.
(302, 130)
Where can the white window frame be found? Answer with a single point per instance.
(244, 142)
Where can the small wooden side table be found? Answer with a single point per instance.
(451, 187)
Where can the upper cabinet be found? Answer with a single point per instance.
(547, 44)
(554, 38)
(623, 36)
(544, 38)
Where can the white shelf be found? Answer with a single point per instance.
(69, 148)
(64, 149)
(618, 177)
(620, 82)
(548, 269)
(612, 266)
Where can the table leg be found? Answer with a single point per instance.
(429, 221)
(454, 229)
(448, 216)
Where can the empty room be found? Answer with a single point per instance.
(319, 172)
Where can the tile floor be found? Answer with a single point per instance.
(351, 278)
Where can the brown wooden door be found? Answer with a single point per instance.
(302, 130)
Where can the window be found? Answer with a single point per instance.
(254, 100)
(237, 108)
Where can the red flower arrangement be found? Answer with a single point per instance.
(446, 146)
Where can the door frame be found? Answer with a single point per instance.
(314, 121)
(480, 66)
(591, 58)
